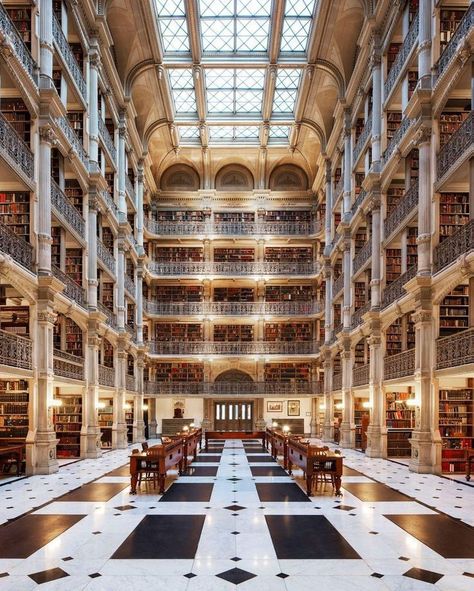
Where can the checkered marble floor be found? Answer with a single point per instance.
(236, 521)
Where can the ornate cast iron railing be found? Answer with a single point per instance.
(361, 142)
(456, 147)
(338, 285)
(67, 365)
(72, 289)
(397, 137)
(110, 204)
(69, 58)
(10, 37)
(403, 209)
(399, 365)
(15, 350)
(360, 375)
(233, 348)
(73, 139)
(233, 269)
(336, 381)
(459, 35)
(357, 315)
(455, 246)
(232, 308)
(14, 149)
(66, 211)
(107, 139)
(395, 290)
(455, 350)
(402, 56)
(362, 256)
(129, 285)
(111, 318)
(20, 250)
(232, 388)
(105, 256)
(106, 376)
(357, 203)
(130, 383)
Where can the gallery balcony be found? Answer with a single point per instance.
(232, 269)
(455, 350)
(232, 388)
(400, 365)
(460, 243)
(15, 350)
(202, 348)
(286, 308)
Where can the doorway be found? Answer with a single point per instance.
(233, 416)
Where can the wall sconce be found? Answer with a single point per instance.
(185, 428)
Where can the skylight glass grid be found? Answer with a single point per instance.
(234, 133)
(182, 86)
(286, 90)
(235, 26)
(234, 91)
(279, 132)
(296, 26)
(188, 132)
(172, 25)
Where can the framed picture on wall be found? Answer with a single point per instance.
(274, 406)
(293, 408)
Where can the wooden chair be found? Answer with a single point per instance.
(149, 470)
(323, 470)
(144, 446)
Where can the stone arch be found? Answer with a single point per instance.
(234, 375)
(180, 177)
(288, 177)
(234, 177)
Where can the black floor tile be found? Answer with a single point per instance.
(147, 541)
(202, 458)
(351, 472)
(456, 541)
(427, 576)
(45, 576)
(122, 471)
(95, 492)
(281, 492)
(26, 535)
(268, 471)
(236, 576)
(183, 493)
(307, 537)
(202, 470)
(374, 492)
(260, 459)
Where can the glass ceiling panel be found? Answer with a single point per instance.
(188, 132)
(286, 90)
(297, 25)
(172, 25)
(182, 86)
(234, 91)
(279, 132)
(234, 133)
(235, 26)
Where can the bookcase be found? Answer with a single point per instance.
(393, 264)
(73, 191)
(287, 372)
(337, 269)
(289, 332)
(360, 294)
(130, 365)
(57, 9)
(108, 294)
(359, 127)
(337, 176)
(448, 23)
(449, 123)
(15, 319)
(131, 314)
(179, 254)
(289, 254)
(398, 443)
(21, 17)
(57, 78)
(234, 216)
(285, 293)
(337, 219)
(361, 353)
(231, 255)
(108, 358)
(392, 53)
(178, 293)
(361, 421)
(456, 426)
(73, 338)
(14, 411)
(412, 82)
(393, 338)
(57, 333)
(78, 53)
(179, 216)
(129, 420)
(76, 119)
(360, 239)
(15, 212)
(454, 311)
(400, 421)
(16, 113)
(106, 421)
(185, 332)
(413, 160)
(394, 119)
(412, 248)
(232, 333)
(74, 264)
(108, 239)
(288, 216)
(453, 213)
(409, 332)
(56, 164)
(234, 294)
(110, 178)
(179, 372)
(67, 424)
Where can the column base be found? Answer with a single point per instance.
(328, 433)
(376, 442)
(347, 436)
(139, 432)
(90, 443)
(119, 437)
(314, 428)
(152, 426)
(425, 453)
(45, 461)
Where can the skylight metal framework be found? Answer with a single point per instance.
(235, 64)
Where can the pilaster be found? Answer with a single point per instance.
(376, 431)
(90, 430)
(347, 425)
(119, 427)
(138, 422)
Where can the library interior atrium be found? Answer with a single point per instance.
(233, 234)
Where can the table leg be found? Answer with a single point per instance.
(133, 483)
(161, 482)
(337, 479)
(309, 482)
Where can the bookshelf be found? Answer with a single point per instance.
(21, 18)
(414, 165)
(178, 293)
(108, 353)
(234, 255)
(16, 113)
(108, 239)
(393, 338)
(108, 294)
(57, 79)
(234, 216)
(410, 332)
(166, 331)
(361, 421)
(234, 294)
(287, 372)
(130, 365)
(454, 311)
(106, 421)
(400, 421)
(73, 191)
(360, 294)
(110, 179)
(398, 443)
(57, 9)
(131, 314)
(289, 254)
(453, 213)
(393, 264)
(15, 212)
(74, 264)
(288, 216)
(360, 239)
(73, 338)
(129, 419)
(15, 319)
(412, 248)
(78, 53)
(287, 293)
(412, 82)
(67, 424)
(179, 216)
(449, 20)
(172, 254)
(394, 119)
(14, 411)
(392, 53)
(288, 332)
(394, 193)
(179, 372)
(57, 333)
(76, 119)
(361, 353)
(359, 127)
(233, 333)
(449, 123)
(56, 164)
(456, 419)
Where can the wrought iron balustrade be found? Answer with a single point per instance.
(397, 137)
(456, 147)
(11, 39)
(338, 285)
(16, 247)
(233, 269)
(232, 348)
(129, 188)
(357, 315)
(111, 318)
(455, 350)
(232, 308)
(106, 376)
(107, 139)
(402, 56)
(105, 256)
(231, 388)
(339, 188)
(394, 291)
(161, 228)
(456, 40)
(460, 243)
(403, 209)
(69, 58)
(362, 257)
(73, 139)
(362, 140)
(68, 365)
(72, 289)
(399, 365)
(110, 203)
(336, 381)
(130, 383)
(358, 202)
(65, 210)
(360, 375)
(129, 285)
(15, 350)
(14, 149)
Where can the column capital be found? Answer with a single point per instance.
(47, 135)
(423, 135)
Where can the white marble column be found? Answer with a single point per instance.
(347, 198)
(46, 44)
(122, 203)
(375, 287)
(152, 422)
(347, 424)
(376, 106)
(46, 138)
(138, 422)
(119, 427)
(92, 250)
(140, 179)
(424, 201)
(376, 431)
(90, 431)
(425, 15)
(328, 429)
(328, 213)
(120, 285)
(93, 111)
(139, 308)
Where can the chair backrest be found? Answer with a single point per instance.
(144, 446)
(135, 451)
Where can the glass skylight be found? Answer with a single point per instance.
(279, 132)
(182, 85)
(172, 24)
(296, 25)
(235, 26)
(234, 91)
(188, 132)
(234, 133)
(286, 90)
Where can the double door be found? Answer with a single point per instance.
(233, 416)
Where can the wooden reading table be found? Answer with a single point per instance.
(191, 442)
(7, 451)
(279, 447)
(304, 455)
(469, 455)
(234, 435)
(164, 456)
